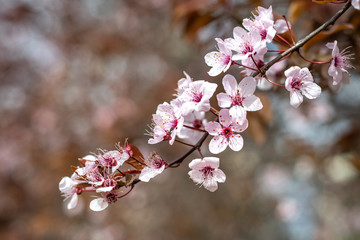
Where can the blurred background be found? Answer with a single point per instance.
(77, 75)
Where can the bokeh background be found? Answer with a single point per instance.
(77, 75)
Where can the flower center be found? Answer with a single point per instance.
(197, 123)
(263, 34)
(197, 97)
(226, 59)
(157, 163)
(207, 171)
(247, 48)
(338, 62)
(111, 197)
(237, 100)
(109, 182)
(227, 132)
(296, 83)
(167, 137)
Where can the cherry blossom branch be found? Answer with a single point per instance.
(178, 161)
(311, 61)
(302, 42)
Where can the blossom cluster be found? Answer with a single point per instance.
(185, 119)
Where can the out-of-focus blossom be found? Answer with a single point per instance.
(206, 172)
(194, 120)
(339, 62)
(299, 82)
(356, 4)
(225, 133)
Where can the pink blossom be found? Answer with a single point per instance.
(225, 133)
(155, 166)
(240, 97)
(166, 123)
(196, 97)
(113, 159)
(257, 61)
(339, 61)
(245, 44)
(220, 61)
(299, 81)
(207, 173)
(356, 4)
(262, 23)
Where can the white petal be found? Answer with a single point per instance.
(230, 84)
(104, 189)
(196, 176)
(252, 103)
(147, 173)
(219, 175)
(218, 144)
(224, 100)
(98, 204)
(247, 86)
(238, 113)
(210, 184)
(225, 117)
(295, 98)
(236, 142)
(73, 201)
(213, 128)
(280, 26)
(311, 90)
(356, 4)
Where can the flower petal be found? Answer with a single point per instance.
(311, 90)
(252, 103)
(247, 86)
(98, 204)
(218, 144)
(236, 142)
(295, 98)
(230, 84)
(213, 128)
(224, 100)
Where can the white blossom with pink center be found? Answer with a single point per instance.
(245, 44)
(166, 123)
(299, 82)
(113, 159)
(196, 97)
(220, 61)
(225, 133)
(207, 173)
(262, 23)
(339, 62)
(240, 97)
(155, 166)
(356, 4)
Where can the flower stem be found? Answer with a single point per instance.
(187, 144)
(308, 60)
(193, 128)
